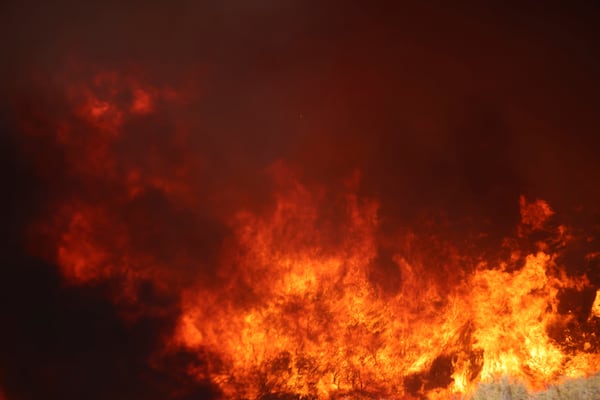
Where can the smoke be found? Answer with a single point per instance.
(446, 114)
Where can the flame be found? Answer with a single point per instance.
(298, 304)
(595, 312)
(320, 327)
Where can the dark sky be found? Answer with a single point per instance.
(457, 108)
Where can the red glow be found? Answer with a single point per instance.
(295, 300)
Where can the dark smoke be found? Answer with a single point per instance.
(60, 342)
(458, 109)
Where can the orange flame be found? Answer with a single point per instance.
(298, 308)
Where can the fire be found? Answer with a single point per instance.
(596, 306)
(319, 326)
(298, 304)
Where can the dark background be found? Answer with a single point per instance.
(453, 108)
